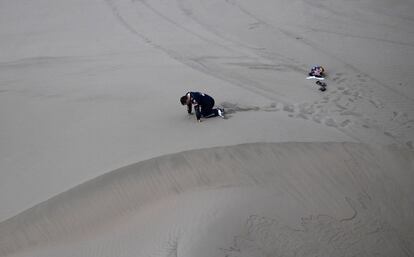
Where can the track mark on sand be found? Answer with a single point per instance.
(351, 107)
(364, 233)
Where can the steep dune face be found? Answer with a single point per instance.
(262, 199)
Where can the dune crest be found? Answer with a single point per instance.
(344, 182)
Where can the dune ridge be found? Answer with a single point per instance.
(307, 171)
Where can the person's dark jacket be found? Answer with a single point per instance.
(200, 101)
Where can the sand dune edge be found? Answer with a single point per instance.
(344, 170)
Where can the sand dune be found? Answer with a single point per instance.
(289, 199)
(87, 87)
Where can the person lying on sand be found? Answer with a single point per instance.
(203, 105)
(317, 71)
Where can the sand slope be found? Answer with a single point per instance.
(290, 199)
(87, 87)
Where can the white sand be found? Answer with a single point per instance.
(87, 87)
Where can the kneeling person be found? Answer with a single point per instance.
(203, 105)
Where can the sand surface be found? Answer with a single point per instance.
(260, 199)
(87, 87)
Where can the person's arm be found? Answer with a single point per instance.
(189, 104)
(189, 107)
(197, 111)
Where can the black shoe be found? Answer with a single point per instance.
(320, 83)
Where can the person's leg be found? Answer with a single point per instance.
(207, 111)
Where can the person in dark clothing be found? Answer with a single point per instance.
(203, 105)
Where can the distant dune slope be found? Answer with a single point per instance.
(353, 199)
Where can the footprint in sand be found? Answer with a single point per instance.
(337, 76)
(366, 233)
(231, 108)
(288, 108)
(345, 123)
(341, 81)
(331, 123)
